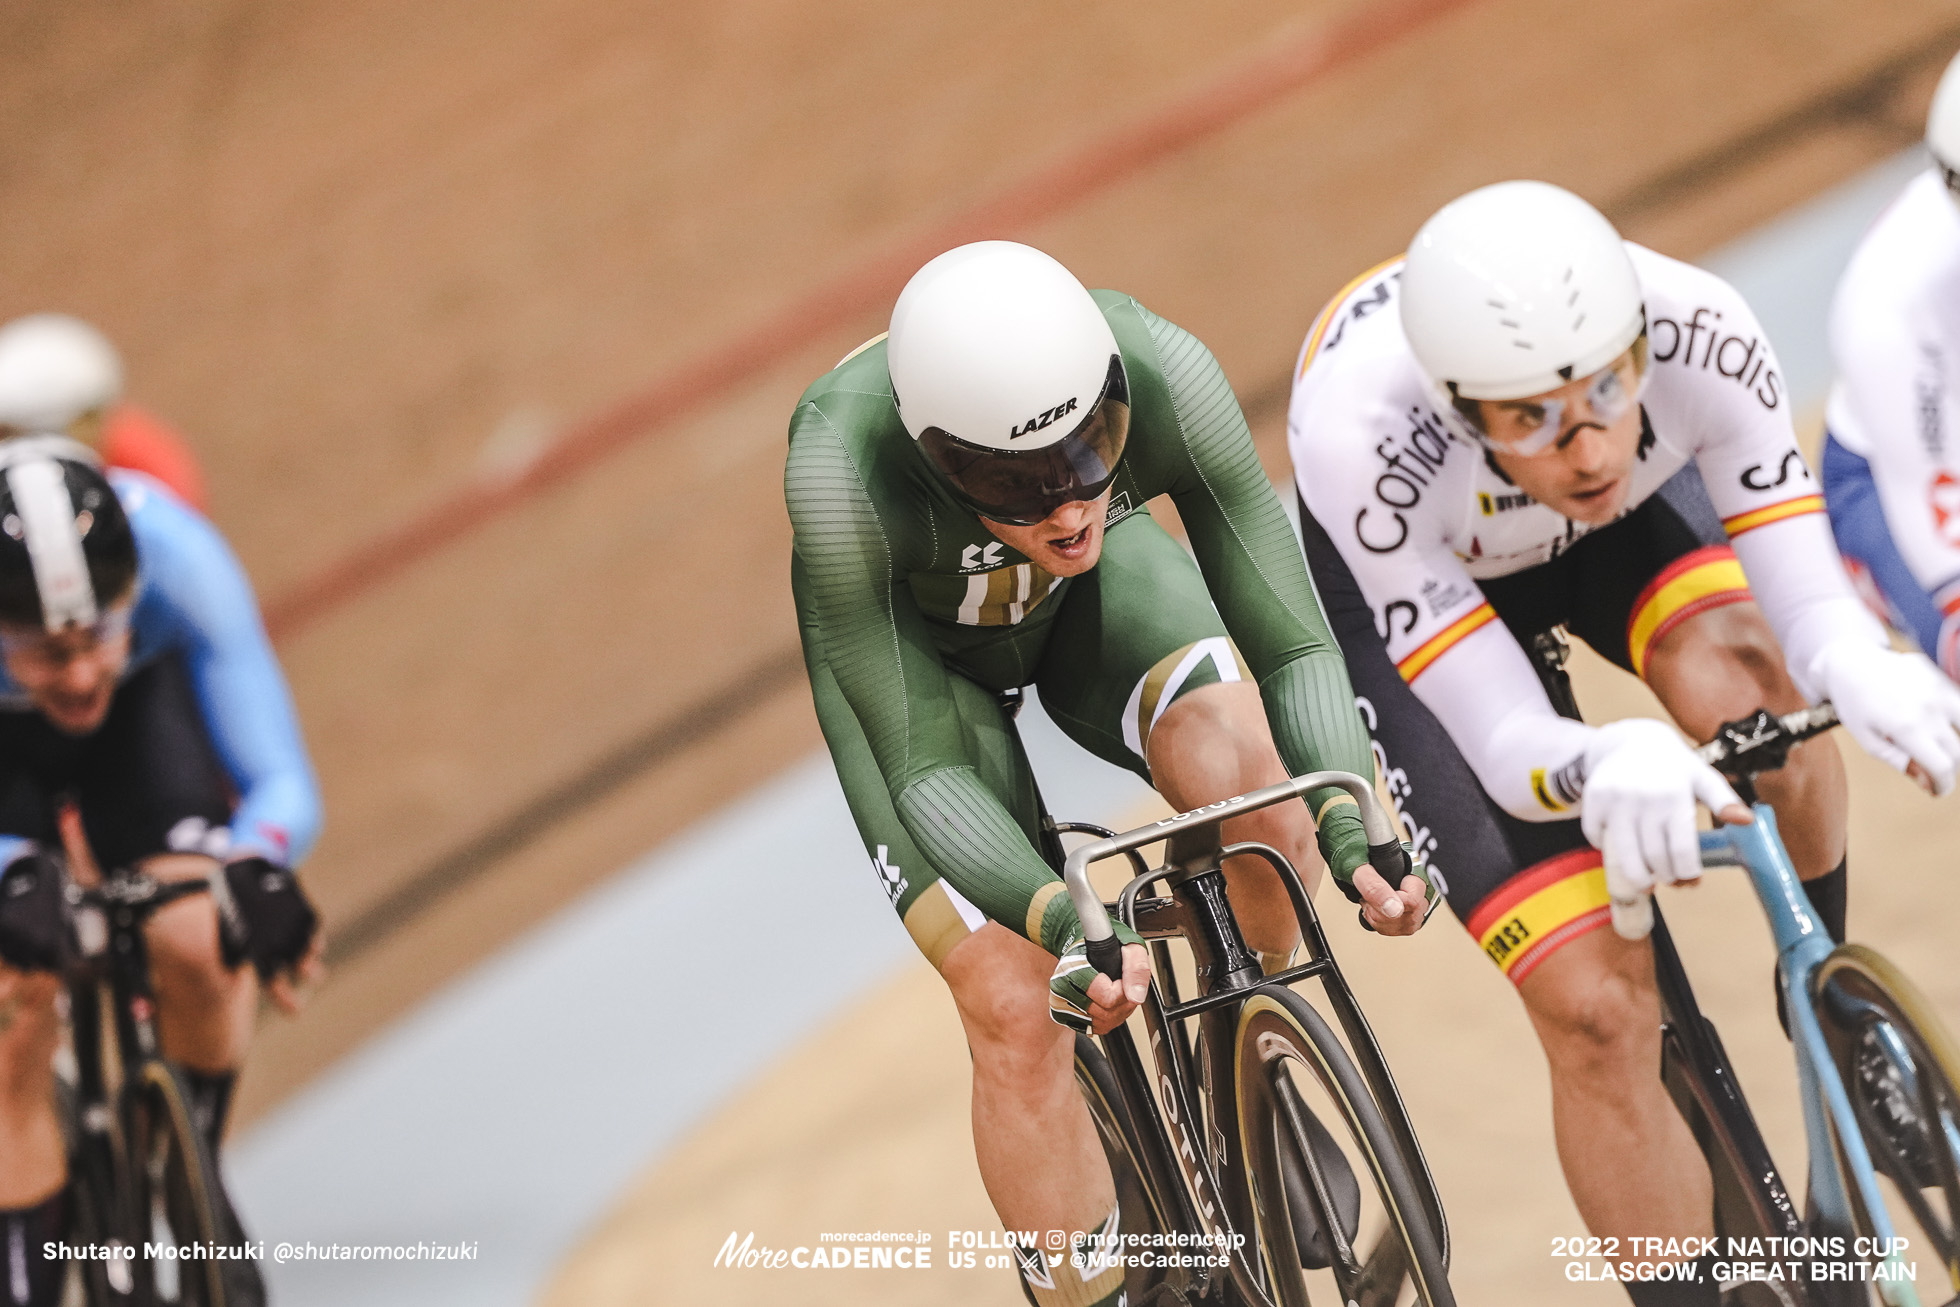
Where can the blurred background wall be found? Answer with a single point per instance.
(486, 317)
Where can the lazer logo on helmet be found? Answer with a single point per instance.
(1043, 418)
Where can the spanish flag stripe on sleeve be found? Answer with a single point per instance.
(1333, 309)
(1756, 517)
(1439, 644)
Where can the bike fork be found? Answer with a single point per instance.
(1750, 1196)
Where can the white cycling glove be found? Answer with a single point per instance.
(1638, 807)
(1897, 705)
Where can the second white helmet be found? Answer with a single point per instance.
(1943, 127)
(1009, 378)
(1517, 288)
(53, 370)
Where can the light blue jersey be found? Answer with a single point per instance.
(193, 599)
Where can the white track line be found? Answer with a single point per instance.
(513, 1108)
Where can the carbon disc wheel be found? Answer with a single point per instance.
(1290, 1064)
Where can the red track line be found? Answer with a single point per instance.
(1066, 182)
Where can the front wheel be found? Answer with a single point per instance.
(1136, 1198)
(1293, 1075)
(98, 1213)
(176, 1186)
(1900, 1069)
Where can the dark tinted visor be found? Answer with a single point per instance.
(1023, 486)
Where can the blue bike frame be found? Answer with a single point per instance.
(1802, 945)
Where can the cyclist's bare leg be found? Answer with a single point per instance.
(204, 1011)
(1214, 743)
(1037, 1149)
(31, 1160)
(1723, 664)
(1629, 1159)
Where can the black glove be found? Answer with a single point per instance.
(274, 922)
(1388, 855)
(32, 924)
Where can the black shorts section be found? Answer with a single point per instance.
(148, 766)
(1473, 845)
(1591, 587)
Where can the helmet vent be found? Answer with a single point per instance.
(1504, 284)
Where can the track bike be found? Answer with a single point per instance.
(145, 1202)
(1242, 1131)
(1876, 1070)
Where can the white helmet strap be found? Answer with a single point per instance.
(54, 543)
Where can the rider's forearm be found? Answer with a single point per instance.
(1528, 759)
(1258, 579)
(1310, 705)
(1796, 575)
(243, 698)
(982, 852)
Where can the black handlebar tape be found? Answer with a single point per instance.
(1392, 861)
(1106, 956)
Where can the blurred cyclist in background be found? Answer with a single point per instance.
(59, 374)
(138, 694)
(1530, 423)
(1891, 446)
(968, 496)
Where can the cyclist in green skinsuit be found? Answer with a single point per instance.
(985, 529)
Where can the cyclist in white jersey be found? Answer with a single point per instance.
(1890, 467)
(1530, 423)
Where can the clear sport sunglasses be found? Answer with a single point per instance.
(1525, 429)
(40, 649)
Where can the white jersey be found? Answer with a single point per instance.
(1895, 336)
(1419, 514)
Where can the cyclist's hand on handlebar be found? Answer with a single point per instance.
(31, 920)
(1386, 911)
(1085, 1000)
(290, 988)
(1898, 706)
(1393, 911)
(1642, 784)
(271, 923)
(1111, 1002)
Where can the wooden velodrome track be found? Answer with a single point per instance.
(486, 318)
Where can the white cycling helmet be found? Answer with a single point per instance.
(1943, 127)
(1516, 289)
(53, 370)
(1009, 379)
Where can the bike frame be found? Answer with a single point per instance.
(1200, 1174)
(1802, 945)
(113, 971)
